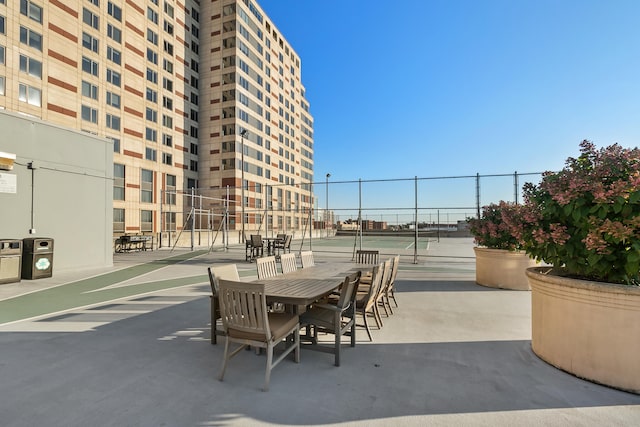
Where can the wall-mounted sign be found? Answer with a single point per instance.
(7, 160)
(8, 183)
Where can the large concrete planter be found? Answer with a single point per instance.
(589, 329)
(499, 268)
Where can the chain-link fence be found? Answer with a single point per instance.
(419, 207)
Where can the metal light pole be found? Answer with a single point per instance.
(326, 212)
(243, 133)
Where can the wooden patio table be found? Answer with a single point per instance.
(306, 285)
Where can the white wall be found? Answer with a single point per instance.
(68, 196)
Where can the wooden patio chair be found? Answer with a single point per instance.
(283, 245)
(366, 302)
(338, 319)
(246, 321)
(389, 292)
(255, 248)
(227, 272)
(386, 274)
(367, 257)
(266, 267)
(288, 263)
(306, 257)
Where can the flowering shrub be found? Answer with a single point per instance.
(499, 227)
(586, 218)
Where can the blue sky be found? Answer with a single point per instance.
(456, 87)
(434, 88)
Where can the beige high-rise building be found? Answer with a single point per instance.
(180, 87)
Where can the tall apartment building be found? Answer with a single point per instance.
(195, 95)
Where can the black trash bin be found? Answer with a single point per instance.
(10, 260)
(37, 257)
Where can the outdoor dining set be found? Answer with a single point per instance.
(319, 298)
(256, 244)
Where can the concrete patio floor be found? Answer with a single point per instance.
(130, 347)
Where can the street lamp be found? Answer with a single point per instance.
(326, 211)
(243, 133)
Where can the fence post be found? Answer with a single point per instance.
(193, 219)
(360, 210)
(415, 239)
(161, 219)
(478, 195)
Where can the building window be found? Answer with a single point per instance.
(146, 187)
(167, 103)
(151, 134)
(31, 38)
(171, 189)
(89, 66)
(2, 54)
(193, 132)
(167, 140)
(118, 181)
(114, 55)
(194, 98)
(152, 95)
(33, 11)
(152, 56)
(114, 33)
(113, 122)
(152, 76)
(193, 149)
(168, 9)
(118, 220)
(193, 165)
(113, 77)
(150, 154)
(146, 221)
(152, 15)
(167, 121)
(167, 159)
(2, 90)
(168, 27)
(152, 115)
(90, 42)
(168, 47)
(89, 90)
(29, 94)
(113, 99)
(31, 66)
(2, 28)
(116, 144)
(167, 66)
(114, 11)
(89, 114)
(152, 37)
(90, 18)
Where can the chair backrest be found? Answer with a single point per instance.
(367, 256)
(386, 275)
(394, 271)
(376, 282)
(306, 257)
(280, 236)
(287, 241)
(226, 271)
(267, 267)
(288, 263)
(256, 240)
(243, 308)
(349, 290)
